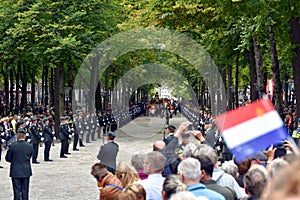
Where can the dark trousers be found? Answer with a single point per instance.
(99, 132)
(35, 151)
(81, 143)
(75, 142)
(88, 134)
(21, 188)
(67, 147)
(64, 146)
(93, 133)
(47, 150)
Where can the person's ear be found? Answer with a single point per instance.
(164, 196)
(181, 176)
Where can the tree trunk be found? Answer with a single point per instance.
(46, 89)
(230, 88)
(277, 96)
(106, 87)
(12, 95)
(17, 75)
(6, 89)
(253, 81)
(259, 71)
(32, 96)
(58, 95)
(24, 86)
(223, 74)
(93, 63)
(295, 39)
(43, 85)
(71, 85)
(51, 87)
(237, 80)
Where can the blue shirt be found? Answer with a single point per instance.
(199, 190)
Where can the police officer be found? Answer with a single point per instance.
(35, 139)
(49, 136)
(64, 136)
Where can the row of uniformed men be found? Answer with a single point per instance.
(41, 131)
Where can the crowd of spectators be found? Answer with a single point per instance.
(201, 175)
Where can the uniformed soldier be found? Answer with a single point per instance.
(49, 136)
(87, 128)
(35, 139)
(74, 129)
(65, 135)
(26, 128)
(81, 128)
(114, 125)
(100, 124)
(93, 125)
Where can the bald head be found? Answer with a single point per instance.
(159, 145)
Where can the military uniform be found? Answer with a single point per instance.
(81, 130)
(35, 139)
(87, 129)
(49, 136)
(93, 125)
(74, 127)
(65, 135)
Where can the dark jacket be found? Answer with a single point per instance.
(35, 135)
(228, 193)
(64, 131)
(19, 155)
(108, 154)
(47, 133)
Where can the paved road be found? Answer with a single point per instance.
(70, 178)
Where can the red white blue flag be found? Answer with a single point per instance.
(252, 128)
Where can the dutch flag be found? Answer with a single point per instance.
(252, 128)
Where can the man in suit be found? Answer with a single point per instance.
(19, 155)
(170, 132)
(108, 153)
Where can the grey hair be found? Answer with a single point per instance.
(137, 161)
(190, 168)
(276, 165)
(185, 195)
(230, 168)
(206, 150)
